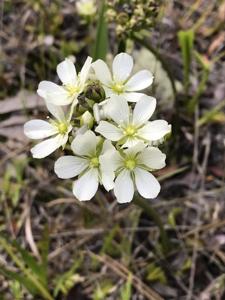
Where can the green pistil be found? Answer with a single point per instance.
(72, 89)
(130, 130)
(94, 162)
(62, 128)
(130, 164)
(118, 88)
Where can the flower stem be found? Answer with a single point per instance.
(152, 213)
(122, 46)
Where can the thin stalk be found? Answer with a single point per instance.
(152, 213)
(122, 46)
(193, 102)
(29, 274)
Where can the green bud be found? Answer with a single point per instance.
(122, 18)
(87, 119)
(94, 91)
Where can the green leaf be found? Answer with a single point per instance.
(16, 289)
(102, 290)
(44, 250)
(155, 273)
(205, 72)
(65, 281)
(30, 261)
(186, 42)
(21, 264)
(126, 290)
(108, 246)
(101, 41)
(172, 216)
(26, 282)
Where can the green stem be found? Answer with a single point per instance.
(193, 102)
(152, 213)
(29, 274)
(122, 46)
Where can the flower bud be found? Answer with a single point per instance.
(86, 7)
(94, 91)
(87, 119)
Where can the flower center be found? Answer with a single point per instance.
(94, 162)
(130, 164)
(62, 128)
(130, 130)
(118, 87)
(72, 89)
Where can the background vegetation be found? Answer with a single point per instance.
(55, 247)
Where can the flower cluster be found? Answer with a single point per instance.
(103, 119)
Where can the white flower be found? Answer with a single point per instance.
(86, 7)
(57, 129)
(120, 82)
(131, 129)
(88, 149)
(132, 168)
(73, 84)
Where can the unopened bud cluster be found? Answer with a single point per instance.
(132, 16)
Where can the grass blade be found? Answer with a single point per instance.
(186, 42)
(25, 281)
(101, 41)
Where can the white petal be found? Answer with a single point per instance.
(54, 93)
(109, 131)
(109, 92)
(86, 186)
(147, 185)
(124, 187)
(85, 144)
(102, 71)
(65, 136)
(39, 129)
(60, 99)
(143, 110)
(70, 166)
(132, 151)
(67, 72)
(139, 81)
(132, 96)
(56, 111)
(122, 67)
(46, 147)
(131, 142)
(107, 178)
(118, 109)
(45, 87)
(85, 70)
(110, 161)
(96, 112)
(107, 146)
(154, 130)
(152, 157)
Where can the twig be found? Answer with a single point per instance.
(196, 237)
